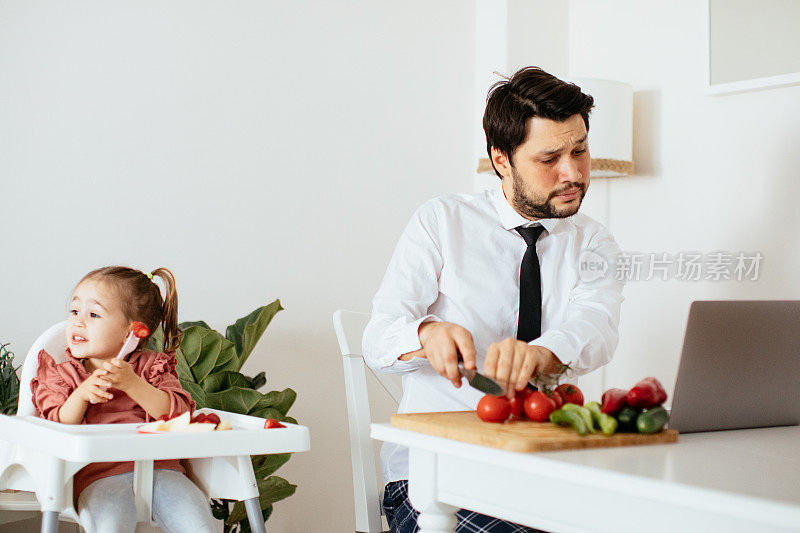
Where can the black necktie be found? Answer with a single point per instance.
(530, 287)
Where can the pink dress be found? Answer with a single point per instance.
(54, 382)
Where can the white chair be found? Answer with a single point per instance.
(23, 469)
(349, 327)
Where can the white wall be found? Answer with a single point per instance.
(260, 150)
(269, 150)
(713, 173)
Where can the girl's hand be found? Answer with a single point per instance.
(121, 374)
(95, 388)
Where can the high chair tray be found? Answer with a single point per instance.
(122, 442)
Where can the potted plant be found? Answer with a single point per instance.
(9, 382)
(209, 368)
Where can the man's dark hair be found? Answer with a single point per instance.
(530, 92)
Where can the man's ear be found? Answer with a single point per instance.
(501, 162)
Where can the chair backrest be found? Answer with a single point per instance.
(53, 341)
(349, 327)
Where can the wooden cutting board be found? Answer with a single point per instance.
(519, 435)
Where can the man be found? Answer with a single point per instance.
(495, 278)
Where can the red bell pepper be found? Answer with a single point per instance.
(613, 401)
(647, 393)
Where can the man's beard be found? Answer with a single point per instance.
(537, 206)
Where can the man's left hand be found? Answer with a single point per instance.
(512, 363)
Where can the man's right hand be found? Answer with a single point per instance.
(442, 343)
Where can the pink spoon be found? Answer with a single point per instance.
(138, 331)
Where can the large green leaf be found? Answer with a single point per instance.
(192, 344)
(9, 382)
(266, 465)
(280, 400)
(249, 402)
(258, 381)
(197, 392)
(182, 367)
(271, 490)
(240, 400)
(183, 326)
(266, 412)
(225, 380)
(187, 380)
(155, 343)
(245, 332)
(207, 352)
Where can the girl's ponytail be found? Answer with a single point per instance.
(169, 320)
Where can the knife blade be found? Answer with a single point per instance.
(481, 382)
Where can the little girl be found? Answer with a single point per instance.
(93, 387)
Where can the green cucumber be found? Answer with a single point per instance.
(604, 422)
(594, 408)
(569, 418)
(652, 420)
(608, 424)
(585, 414)
(627, 419)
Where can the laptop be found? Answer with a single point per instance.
(740, 366)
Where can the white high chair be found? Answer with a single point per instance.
(221, 475)
(349, 327)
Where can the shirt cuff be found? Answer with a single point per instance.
(407, 340)
(557, 342)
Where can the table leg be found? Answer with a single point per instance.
(50, 492)
(437, 518)
(49, 522)
(143, 489)
(256, 519)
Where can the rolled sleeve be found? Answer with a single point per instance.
(409, 288)
(398, 338)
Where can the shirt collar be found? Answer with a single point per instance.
(511, 219)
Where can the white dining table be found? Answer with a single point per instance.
(54, 452)
(731, 481)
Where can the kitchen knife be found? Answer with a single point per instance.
(481, 382)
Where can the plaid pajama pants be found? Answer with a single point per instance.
(402, 517)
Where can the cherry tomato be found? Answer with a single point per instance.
(538, 406)
(272, 423)
(494, 408)
(199, 418)
(556, 397)
(570, 393)
(212, 418)
(140, 330)
(516, 403)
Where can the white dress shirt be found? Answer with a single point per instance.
(458, 260)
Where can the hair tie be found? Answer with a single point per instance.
(149, 275)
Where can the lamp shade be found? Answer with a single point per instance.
(610, 128)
